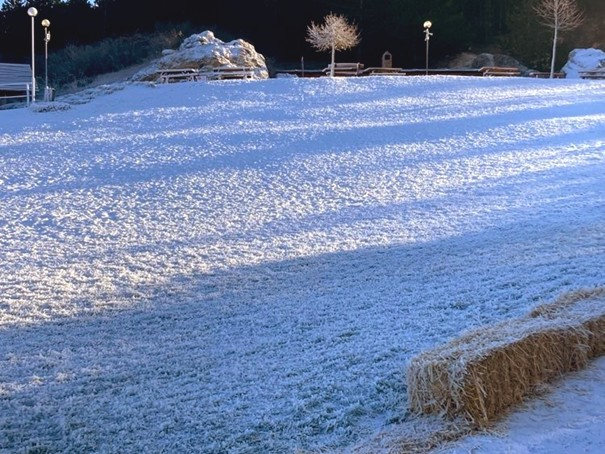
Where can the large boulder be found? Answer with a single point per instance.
(204, 51)
(583, 60)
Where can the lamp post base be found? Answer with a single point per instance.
(49, 94)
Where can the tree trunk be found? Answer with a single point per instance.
(554, 52)
(333, 58)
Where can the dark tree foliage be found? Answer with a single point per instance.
(277, 28)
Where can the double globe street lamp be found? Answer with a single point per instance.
(33, 12)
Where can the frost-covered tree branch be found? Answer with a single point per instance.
(335, 34)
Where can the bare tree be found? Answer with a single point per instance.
(334, 34)
(560, 16)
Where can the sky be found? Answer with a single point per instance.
(249, 266)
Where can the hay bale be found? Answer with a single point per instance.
(481, 374)
(586, 308)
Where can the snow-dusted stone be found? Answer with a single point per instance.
(53, 106)
(204, 51)
(583, 60)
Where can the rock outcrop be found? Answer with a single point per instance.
(583, 60)
(204, 51)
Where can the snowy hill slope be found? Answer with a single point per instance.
(247, 266)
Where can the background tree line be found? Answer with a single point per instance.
(277, 28)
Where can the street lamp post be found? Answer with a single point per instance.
(47, 91)
(427, 36)
(33, 12)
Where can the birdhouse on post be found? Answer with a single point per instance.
(387, 60)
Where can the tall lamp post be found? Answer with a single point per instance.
(47, 91)
(33, 12)
(427, 36)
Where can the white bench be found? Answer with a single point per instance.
(178, 75)
(15, 81)
(229, 72)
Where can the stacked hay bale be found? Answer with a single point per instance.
(481, 374)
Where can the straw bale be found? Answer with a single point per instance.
(585, 307)
(481, 374)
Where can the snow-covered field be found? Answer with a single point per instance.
(247, 266)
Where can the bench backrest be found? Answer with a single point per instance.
(14, 76)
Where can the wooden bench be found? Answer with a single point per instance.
(381, 71)
(501, 71)
(300, 72)
(229, 72)
(593, 74)
(345, 69)
(178, 75)
(15, 81)
(442, 72)
(546, 75)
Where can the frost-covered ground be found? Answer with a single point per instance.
(247, 266)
